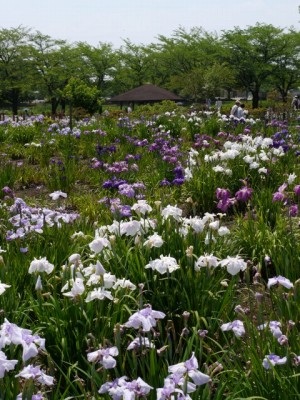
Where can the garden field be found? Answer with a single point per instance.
(152, 255)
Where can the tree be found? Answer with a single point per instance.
(14, 65)
(54, 64)
(190, 85)
(254, 52)
(186, 57)
(79, 94)
(217, 77)
(133, 66)
(286, 74)
(97, 65)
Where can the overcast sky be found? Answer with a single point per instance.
(141, 21)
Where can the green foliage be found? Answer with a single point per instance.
(257, 55)
(82, 95)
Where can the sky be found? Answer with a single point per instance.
(142, 21)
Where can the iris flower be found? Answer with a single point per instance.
(163, 265)
(104, 356)
(56, 195)
(272, 360)
(145, 319)
(236, 326)
(280, 280)
(5, 364)
(35, 372)
(234, 264)
(189, 368)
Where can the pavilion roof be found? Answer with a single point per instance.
(145, 93)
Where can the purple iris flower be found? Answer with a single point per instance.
(293, 210)
(244, 194)
(222, 194)
(178, 181)
(126, 190)
(297, 190)
(278, 196)
(223, 205)
(107, 184)
(178, 171)
(272, 360)
(165, 182)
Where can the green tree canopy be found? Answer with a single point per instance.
(14, 65)
(254, 53)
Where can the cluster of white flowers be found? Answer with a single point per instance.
(209, 221)
(36, 374)
(141, 207)
(154, 240)
(192, 163)
(163, 265)
(120, 388)
(38, 266)
(171, 211)
(234, 265)
(93, 281)
(206, 261)
(183, 379)
(254, 151)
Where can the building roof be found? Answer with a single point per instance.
(145, 93)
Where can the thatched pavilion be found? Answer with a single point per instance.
(143, 95)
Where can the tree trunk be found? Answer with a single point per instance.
(15, 100)
(63, 105)
(255, 98)
(54, 104)
(284, 95)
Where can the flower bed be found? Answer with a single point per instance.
(150, 257)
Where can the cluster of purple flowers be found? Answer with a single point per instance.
(27, 220)
(135, 157)
(24, 122)
(124, 188)
(225, 200)
(116, 207)
(129, 190)
(205, 141)
(8, 192)
(101, 150)
(179, 177)
(282, 139)
(117, 167)
(113, 183)
(287, 198)
(141, 143)
(145, 319)
(124, 122)
(168, 148)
